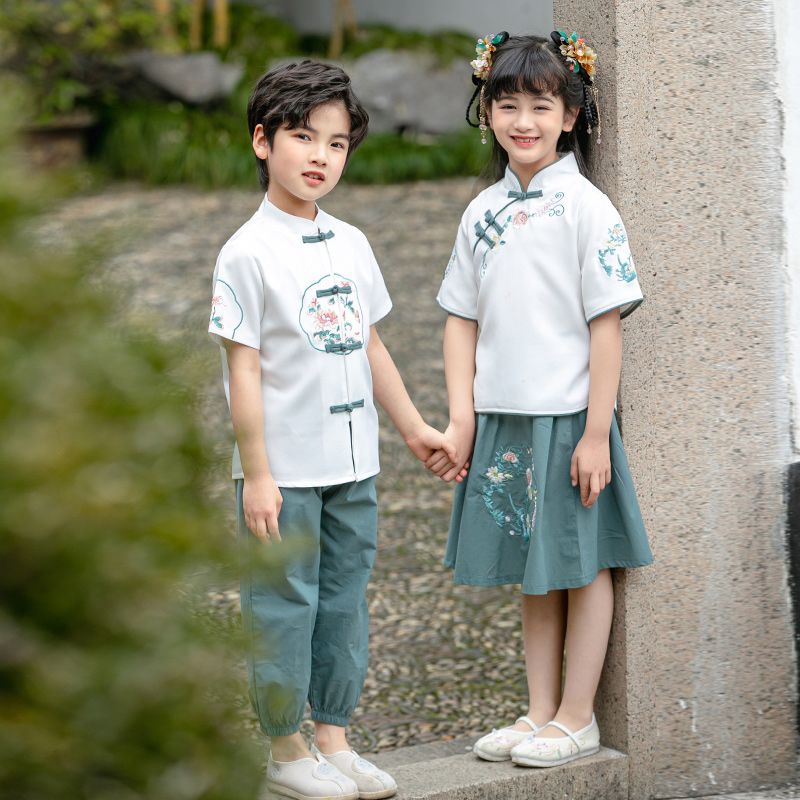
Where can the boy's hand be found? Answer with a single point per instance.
(425, 440)
(462, 436)
(262, 502)
(591, 467)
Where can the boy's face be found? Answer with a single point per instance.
(306, 163)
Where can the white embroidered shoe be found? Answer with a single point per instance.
(373, 783)
(538, 751)
(309, 779)
(497, 745)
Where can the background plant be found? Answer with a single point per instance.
(114, 680)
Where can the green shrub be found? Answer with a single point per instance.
(169, 144)
(114, 682)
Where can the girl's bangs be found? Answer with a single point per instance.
(526, 69)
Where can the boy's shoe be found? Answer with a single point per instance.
(497, 745)
(309, 779)
(373, 783)
(537, 751)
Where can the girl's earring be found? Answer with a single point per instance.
(482, 118)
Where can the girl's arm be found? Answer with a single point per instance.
(591, 461)
(460, 340)
(262, 498)
(390, 391)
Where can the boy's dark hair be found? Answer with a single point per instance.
(287, 94)
(533, 64)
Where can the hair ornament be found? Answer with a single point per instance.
(481, 67)
(580, 59)
(577, 54)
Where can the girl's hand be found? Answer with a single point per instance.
(462, 436)
(262, 502)
(591, 467)
(425, 440)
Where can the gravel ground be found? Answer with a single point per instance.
(445, 661)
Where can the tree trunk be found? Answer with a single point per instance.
(222, 28)
(196, 24)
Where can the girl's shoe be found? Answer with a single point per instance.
(309, 779)
(537, 751)
(497, 745)
(372, 783)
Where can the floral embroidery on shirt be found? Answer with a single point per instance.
(222, 302)
(333, 318)
(510, 493)
(617, 245)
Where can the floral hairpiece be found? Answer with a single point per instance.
(580, 59)
(577, 53)
(481, 67)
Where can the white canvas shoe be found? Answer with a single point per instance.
(538, 751)
(373, 783)
(497, 745)
(309, 779)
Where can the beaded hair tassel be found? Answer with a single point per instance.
(481, 67)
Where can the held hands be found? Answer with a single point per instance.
(262, 503)
(591, 468)
(426, 443)
(449, 466)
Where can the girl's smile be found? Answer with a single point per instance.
(528, 126)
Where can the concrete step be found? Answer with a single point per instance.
(444, 771)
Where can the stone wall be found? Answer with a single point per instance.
(700, 684)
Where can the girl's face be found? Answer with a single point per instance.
(527, 126)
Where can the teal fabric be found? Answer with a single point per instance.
(308, 628)
(517, 518)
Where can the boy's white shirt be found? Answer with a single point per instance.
(533, 272)
(266, 295)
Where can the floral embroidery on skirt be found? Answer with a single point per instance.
(509, 491)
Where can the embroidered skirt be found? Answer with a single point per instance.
(517, 518)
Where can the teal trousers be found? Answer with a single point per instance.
(308, 627)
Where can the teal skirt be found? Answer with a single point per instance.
(518, 519)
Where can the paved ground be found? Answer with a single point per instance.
(445, 661)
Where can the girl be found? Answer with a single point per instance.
(539, 278)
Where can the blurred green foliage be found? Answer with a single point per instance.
(66, 50)
(167, 144)
(115, 682)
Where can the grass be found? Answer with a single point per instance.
(167, 144)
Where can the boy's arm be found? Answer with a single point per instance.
(460, 341)
(262, 498)
(390, 392)
(591, 461)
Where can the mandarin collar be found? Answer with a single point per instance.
(300, 225)
(545, 177)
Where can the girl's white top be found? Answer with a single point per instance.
(304, 294)
(534, 266)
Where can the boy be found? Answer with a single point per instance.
(296, 295)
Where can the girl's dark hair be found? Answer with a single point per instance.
(289, 93)
(533, 64)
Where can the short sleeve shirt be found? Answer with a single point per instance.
(533, 266)
(304, 293)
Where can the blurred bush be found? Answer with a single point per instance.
(115, 682)
(167, 144)
(67, 51)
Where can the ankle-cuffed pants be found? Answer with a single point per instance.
(307, 625)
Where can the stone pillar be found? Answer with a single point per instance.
(699, 687)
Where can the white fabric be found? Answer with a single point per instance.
(266, 282)
(533, 273)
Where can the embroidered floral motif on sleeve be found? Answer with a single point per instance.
(510, 493)
(616, 246)
(450, 263)
(216, 314)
